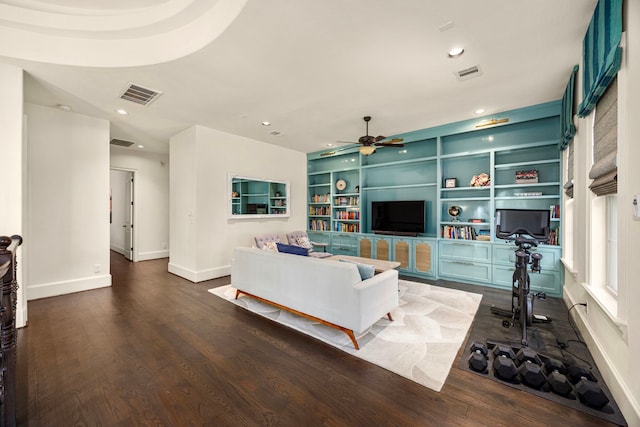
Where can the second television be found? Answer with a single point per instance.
(399, 217)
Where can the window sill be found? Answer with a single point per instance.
(608, 304)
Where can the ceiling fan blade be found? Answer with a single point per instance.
(380, 138)
(388, 144)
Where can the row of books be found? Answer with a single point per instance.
(320, 198)
(319, 225)
(350, 215)
(553, 237)
(347, 201)
(555, 211)
(319, 210)
(347, 228)
(463, 232)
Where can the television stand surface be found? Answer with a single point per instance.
(396, 233)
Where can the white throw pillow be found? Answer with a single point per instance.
(305, 243)
(270, 246)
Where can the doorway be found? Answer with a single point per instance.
(122, 205)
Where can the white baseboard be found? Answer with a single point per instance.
(199, 276)
(146, 256)
(616, 383)
(46, 290)
(118, 249)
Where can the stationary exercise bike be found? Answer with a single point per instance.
(528, 228)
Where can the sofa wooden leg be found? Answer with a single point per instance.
(389, 316)
(349, 332)
(237, 293)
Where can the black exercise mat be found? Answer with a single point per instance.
(555, 340)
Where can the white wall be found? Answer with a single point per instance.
(68, 202)
(13, 168)
(202, 237)
(613, 338)
(151, 210)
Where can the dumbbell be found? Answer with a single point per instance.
(551, 364)
(505, 368)
(559, 383)
(576, 372)
(527, 355)
(590, 393)
(531, 374)
(478, 357)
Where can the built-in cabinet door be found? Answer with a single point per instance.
(344, 244)
(402, 253)
(366, 247)
(383, 249)
(423, 257)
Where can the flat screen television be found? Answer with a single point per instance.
(531, 222)
(400, 217)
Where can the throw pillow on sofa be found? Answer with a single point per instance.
(305, 243)
(366, 271)
(290, 249)
(270, 246)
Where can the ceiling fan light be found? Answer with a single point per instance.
(367, 150)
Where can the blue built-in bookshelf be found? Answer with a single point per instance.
(517, 149)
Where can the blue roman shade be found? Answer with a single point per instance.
(566, 115)
(601, 53)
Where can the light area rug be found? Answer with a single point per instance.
(429, 326)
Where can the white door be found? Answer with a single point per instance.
(128, 223)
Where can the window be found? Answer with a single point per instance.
(611, 279)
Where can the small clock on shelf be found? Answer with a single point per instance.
(341, 184)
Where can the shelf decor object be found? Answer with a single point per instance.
(480, 180)
(455, 212)
(450, 183)
(527, 176)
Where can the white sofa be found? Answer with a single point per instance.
(330, 292)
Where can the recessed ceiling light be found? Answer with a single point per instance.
(122, 111)
(63, 107)
(140, 146)
(330, 145)
(266, 123)
(479, 111)
(456, 52)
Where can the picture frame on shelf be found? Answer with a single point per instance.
(450, 183)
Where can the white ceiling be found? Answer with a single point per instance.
(312, 68)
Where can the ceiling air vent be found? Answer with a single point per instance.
(469, 73)
(121, 143)
(140, 94)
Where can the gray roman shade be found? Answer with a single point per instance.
(604, 171)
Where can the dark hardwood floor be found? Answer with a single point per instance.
(155, 349)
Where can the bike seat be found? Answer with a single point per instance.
(523, 240)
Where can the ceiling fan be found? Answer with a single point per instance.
(369, 143)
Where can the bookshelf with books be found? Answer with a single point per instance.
(468, 165)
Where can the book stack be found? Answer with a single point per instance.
(319, 210)
(319, 225)
(346, 201)
(461, 232)
(527, 176)
(320, 198)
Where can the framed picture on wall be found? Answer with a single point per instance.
(450, 183)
